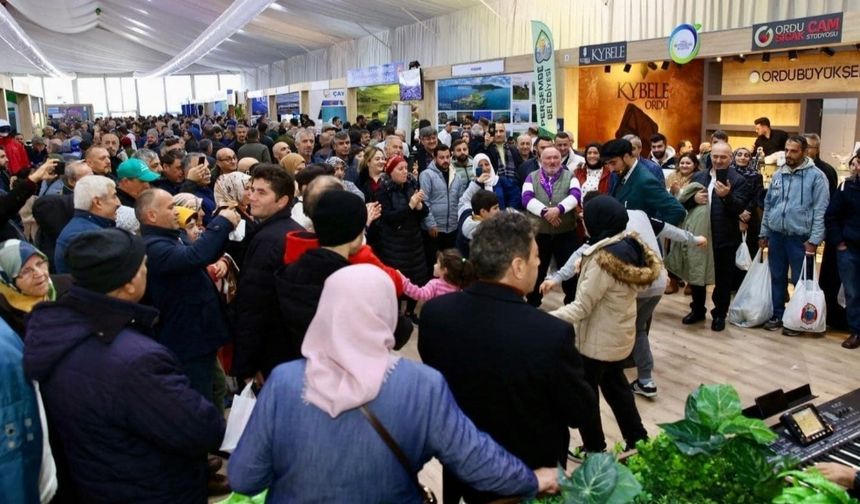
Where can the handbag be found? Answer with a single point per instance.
(807, 309)
(240, 413)
(742, 256)
(427, 495)
(753, 305)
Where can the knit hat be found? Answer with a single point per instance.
(392, 163)
(105, 260)
(339, 217)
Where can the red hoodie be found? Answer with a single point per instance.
(17, 154)
(299, 242)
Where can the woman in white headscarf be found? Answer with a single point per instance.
(309, 426)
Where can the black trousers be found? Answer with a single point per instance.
(725, 273)
(559, 247)
(609, 378)
(433, 245)
(828, 279)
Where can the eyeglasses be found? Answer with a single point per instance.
(40, 267)
(227, 158)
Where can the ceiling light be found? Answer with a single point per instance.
(652, 65)
(741, 58)
(627, 67)
(607, 69)
(828, 51)
(240, 13)
(278, 7)
(12, 34)
(719, 59)
(765, 57)
(665, 65)
(792, 55)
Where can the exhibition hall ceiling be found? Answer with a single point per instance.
(124, 36)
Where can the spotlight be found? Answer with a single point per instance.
(828, 51)
(719, 59)
(765, 57)
(665, 65)
(627, 67)
(740, 58)
(607, 68)
(652, 65)
(792, 55)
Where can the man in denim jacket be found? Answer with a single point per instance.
(793, 223)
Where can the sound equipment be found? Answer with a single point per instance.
(842, 415)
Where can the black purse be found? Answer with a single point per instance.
(428, 497)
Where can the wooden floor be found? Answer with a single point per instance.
(754, 361)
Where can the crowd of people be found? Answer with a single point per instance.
(150, 267)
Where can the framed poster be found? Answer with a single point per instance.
(505, 99)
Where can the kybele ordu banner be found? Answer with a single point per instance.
(544, 64)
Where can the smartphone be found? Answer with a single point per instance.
(60, 168)
(478, 171)
(201, 160)
(722, 176)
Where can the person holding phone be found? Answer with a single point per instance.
(727, 194)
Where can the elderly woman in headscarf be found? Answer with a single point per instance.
(25, 282)
(482, 165)
(292, 163)
(339, 172)
(348, 376)
(614, 268)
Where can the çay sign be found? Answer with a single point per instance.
(613, 52)
(814, 30)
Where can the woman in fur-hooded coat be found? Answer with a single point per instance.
(613, 269)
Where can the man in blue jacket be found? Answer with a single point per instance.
(792, 226)
(128, 425)
(192, 321)
(96, 204)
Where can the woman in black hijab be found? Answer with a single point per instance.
(616, 265)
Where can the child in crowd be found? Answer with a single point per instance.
(452, 273)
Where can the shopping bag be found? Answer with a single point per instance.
(237, 498)
(240, 412)
(840, 298)
(753, 304)
(807, 310)
(742, 257)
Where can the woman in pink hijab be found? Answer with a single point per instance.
(309, 441)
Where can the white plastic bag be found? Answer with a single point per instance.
(742, 256)
(240, 413)
(840, 298)
(753, 305)
(807, 310)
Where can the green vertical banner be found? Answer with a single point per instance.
(545, 96)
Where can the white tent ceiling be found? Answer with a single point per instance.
(137, 35)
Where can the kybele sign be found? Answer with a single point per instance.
(815, 30)
(600, 54)
(684, 43)
(544, 70)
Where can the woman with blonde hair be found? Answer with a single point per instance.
(292, 163)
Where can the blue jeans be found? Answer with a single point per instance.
(784, 251)
(849, 272)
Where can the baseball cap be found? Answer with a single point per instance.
(4, 124)
(136, 169)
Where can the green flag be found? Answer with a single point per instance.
(544, 59)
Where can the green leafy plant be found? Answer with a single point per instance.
(811, 487)
(599, 480)
(713, 455)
